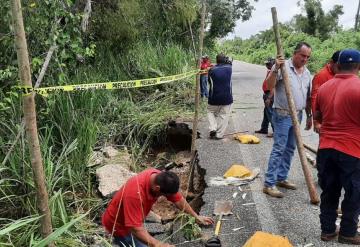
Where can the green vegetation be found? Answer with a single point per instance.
(261, 46)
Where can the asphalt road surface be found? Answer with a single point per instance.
(292, 216)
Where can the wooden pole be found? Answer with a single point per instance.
(314, 198)
(310, 148)
(197, 89)
(30, 121)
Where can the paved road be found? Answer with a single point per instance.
(292, 216)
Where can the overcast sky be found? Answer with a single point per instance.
(261, 17)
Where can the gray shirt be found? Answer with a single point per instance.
(300, 87)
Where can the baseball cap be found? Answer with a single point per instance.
(349, 56)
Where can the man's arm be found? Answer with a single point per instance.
(271, 79)
(183, 205)
(314, 91)
(308, 110)
(317, 117)
(143, 235)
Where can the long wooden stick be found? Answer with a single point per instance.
(314, 198)
(197, 90)
(310, 148)
(30, 121)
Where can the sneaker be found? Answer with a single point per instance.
(328, 236)
(273, 191)
(286, 184)
(212, 134)
(349, 240)
(261, 131)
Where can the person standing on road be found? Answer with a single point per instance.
(326, 73)
(338, 158)
(205, 65)
(284, 135)
(268, 98)
(125, 214)
(220, 96)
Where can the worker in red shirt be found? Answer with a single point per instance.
(268, 98)
(205, 66)
(337, 110)
(326, 73)
(125, 214)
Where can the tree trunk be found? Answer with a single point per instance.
(30, 121)
(197, 90)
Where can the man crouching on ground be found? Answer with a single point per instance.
(126, 213)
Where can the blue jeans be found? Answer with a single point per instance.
(283, 148)
(203, 86)
(338, 170)
(128, 241)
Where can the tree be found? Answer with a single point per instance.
(316, 22)
(224, 14)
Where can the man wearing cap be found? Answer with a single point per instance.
(337, 110)
(204, 66)
(326, 73)
(268, 98)
(284, 136)
(126, 213)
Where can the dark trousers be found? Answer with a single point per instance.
(337, 170)
(267, 114)
(203, 86)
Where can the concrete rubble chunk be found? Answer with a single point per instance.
(111, 177)
(110, 152)
(153, 217)
(96, 159)
(182, 158)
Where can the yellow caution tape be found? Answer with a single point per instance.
(26, 90)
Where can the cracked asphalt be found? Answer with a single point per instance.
(292, 216)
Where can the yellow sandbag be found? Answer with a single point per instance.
(238, 171)
(247, 139)
(264, 239)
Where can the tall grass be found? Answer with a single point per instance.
(72, 124)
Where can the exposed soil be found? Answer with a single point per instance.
(166, 209)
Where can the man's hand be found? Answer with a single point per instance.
(308, 123)
(317, 126)
(268, 102)
(204, 220)
(279, 61)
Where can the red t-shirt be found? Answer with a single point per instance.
(320, 78)
(204, 65)
(338, 100)
(135, 202)
(264, 86)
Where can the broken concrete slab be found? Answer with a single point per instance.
(109, 152)
(153, 217)
(111, 177)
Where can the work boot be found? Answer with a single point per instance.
(349, 240)
(273, 191)
(287, 185)
(260, 131)
(328, 236)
